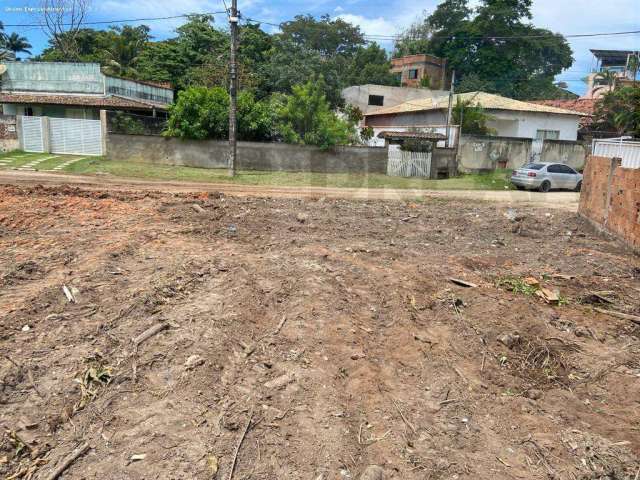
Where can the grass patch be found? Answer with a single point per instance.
(54, 162)
(23, 158)
(517, 285)
(489, 181)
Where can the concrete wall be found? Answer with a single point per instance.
(83, 78)
(251, 155)
(610, 199)
(483, 153)
(573, 154)
(359, 95)
(505, 123)
(8, 133)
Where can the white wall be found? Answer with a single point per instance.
(506, 123)
(528, 124)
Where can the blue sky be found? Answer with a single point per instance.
(375, 17)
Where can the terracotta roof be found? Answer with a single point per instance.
(585, 105)
(421, 135)
(487, 100)
(112, 101)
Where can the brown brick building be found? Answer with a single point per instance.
(412, 69)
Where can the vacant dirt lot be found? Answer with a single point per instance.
(326, 330)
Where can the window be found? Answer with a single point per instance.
(534, 166)
(28, 112)
(548, 134)
(554, 169)
(377, 100)
(413, 74)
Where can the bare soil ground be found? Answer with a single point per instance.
(330, 325)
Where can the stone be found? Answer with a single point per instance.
(372, 472)
(509, 340)
(193, 361)
(533, 394)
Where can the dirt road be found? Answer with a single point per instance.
(554, 200)
(329, 329)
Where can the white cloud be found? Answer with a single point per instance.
(370, 26)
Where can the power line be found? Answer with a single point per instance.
(130, 20)
(493, 37)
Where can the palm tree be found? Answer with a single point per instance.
(634, 65)
(17, 44)
(608, 77)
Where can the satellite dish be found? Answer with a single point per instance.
(3, 69)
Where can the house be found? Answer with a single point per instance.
(508, 117)
(620, 63)
(371, 97)
(586, 105)
(76, 90)
(420, 71)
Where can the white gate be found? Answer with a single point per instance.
(629, 152)
(408, 164)
(32, 134)
(75, 136)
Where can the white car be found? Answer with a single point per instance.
(546, 176)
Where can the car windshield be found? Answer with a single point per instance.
(534, 166)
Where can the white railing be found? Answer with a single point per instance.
(408, 164)
(621, 147)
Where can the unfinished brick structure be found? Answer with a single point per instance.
(610, 198)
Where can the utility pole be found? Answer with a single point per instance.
(450, 111)
(233, 88)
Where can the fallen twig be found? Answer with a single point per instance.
(280, 325)
(625, 316)
(463, 283)
(404, 419)
(149, 332)
(81, 450)
(235, 454)
(33, 384)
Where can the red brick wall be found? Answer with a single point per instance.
(611, 198)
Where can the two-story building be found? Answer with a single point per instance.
(76, 90)
(621, 68)
(421, 71)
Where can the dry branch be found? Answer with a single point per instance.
(150, 332)
(625, 316)
(81, 450)
(235, 454)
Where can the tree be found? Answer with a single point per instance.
(619, 111)
(202, 113)
(471, 118)
(61, 21)
(125, 45)
(325, 36)
(17, 44)
(607, 77)
(306, 118)
(89, 46)
(199, 113)
(497, 48)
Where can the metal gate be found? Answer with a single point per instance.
(32, 134)
(628, 151)
(408, 164)
(75, 136)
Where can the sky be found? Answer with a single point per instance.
(375, 17)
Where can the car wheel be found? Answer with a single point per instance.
(545, 186)
(578, 186)
(519, 187)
